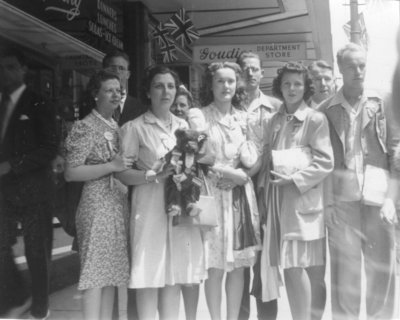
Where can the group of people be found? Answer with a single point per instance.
(290, 175)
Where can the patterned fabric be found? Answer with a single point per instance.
(101, 218)
(223, 131)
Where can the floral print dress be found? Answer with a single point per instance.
(101, 217)
(227, 134)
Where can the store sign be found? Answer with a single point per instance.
(98, 23)
(267, 52)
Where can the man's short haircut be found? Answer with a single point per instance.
(245, 55)
(112, 54)
(319, 64)
(350, 47)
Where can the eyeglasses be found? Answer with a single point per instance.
(116, 68)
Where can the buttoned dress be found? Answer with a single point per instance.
(161, 254)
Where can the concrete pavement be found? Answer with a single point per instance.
(66, 305)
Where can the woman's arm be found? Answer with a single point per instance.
(318, 139)
(230, 177)
(133, 177)
(91, 172)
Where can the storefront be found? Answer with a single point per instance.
(64, 42)
(278, 30)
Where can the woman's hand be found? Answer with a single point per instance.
(119, 163)
(280, 179)
(167, 170)
(388, 212)
(225, 184)
(232, 178)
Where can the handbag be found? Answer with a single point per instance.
(208, 215)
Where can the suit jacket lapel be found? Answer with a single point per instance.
(16, 114)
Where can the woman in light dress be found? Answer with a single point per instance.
(164, 257)
(232, 245)
(92, 156)
(184, 108)
(294, 199)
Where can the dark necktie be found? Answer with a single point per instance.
(117, 114)
(5, 101)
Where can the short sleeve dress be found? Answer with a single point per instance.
(227, 135)
(162, 254)
(101, 217)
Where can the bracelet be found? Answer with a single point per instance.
(150, 173)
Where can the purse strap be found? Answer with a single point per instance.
(206, 185)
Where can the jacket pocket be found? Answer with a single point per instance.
(310, 201)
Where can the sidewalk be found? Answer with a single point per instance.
(66, 305)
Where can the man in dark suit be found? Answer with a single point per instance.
(28, 143)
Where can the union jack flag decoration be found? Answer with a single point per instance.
(181, 28)
(160, 34)
(168, 52)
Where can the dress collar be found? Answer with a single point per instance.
(300, 113)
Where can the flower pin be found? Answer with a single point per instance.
(108, 135)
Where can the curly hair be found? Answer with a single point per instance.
(182, 91)
(97, 79)
(150, 73)
(292, 67)
(207, 95)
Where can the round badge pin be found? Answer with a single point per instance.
(108, 135)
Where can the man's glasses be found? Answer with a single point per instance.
(117, 68)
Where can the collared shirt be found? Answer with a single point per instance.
(287, 132)
(353, 177)
(258, 111)
(146, 139)
(14, 97)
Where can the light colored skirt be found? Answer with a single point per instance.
(303, 254)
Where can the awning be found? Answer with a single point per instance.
(26, 30)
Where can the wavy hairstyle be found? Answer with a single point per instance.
(207, 95)
(97, 79)
(292, 67)
(182, 91)
(150, 73)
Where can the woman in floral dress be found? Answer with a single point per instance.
(226, 251)
(92, 156)
(164, 257)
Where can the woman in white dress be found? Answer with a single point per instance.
(232, 245)
(163, 257)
